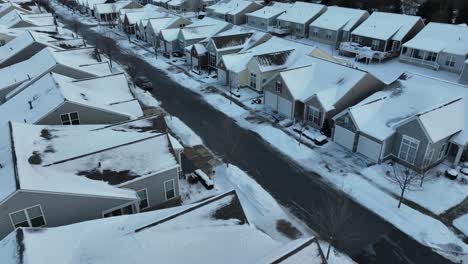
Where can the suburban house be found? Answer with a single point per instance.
(7, 7)
(317, 91)
(50, 178)
(219, 221)
(438, 46)
(252, 68)
(232, 41)
(169, 40)
(184, 5)
(296, 20)
(54, 99)
(132, 19)
(197, 57)
(161, 3)
(75, 63)
(89, 6)
(200, 30)
(266, 17)
(381, 36)
(17, 19)
(417, 121)
(109, 12)
(154, 27)
(232, 11)
(336, 24)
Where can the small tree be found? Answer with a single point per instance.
(404, 178)
(108, 47)
(302, 128)
(76, 25)
(332, 219)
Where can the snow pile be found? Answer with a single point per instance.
(462, 223)
(183, 132)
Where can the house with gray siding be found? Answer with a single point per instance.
(381, 36)
(200, 30)
(59, 175)
(417, 121)
(232, 11)
(296, 20)
(265, 18)
(54, 99)
(438, 46)
(336, 24)
(75, 63)
(315, 92)
(152, 28)
(181, 6)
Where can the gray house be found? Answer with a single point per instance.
(54, 99)
(265, 18)
(381, 36)
(59, 175)
(438, 46)
(314, 93)
(296, 19)
(232, 11)
(418, 121)
(200, 30)
(336, 24)
(75, 63)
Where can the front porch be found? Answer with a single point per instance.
(420, 57)
(365, 52)
(279, 30)
(457, 154)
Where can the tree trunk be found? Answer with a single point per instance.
(329, 248)
(401, 196)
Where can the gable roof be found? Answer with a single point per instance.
(438, 37)
(231, 41)
(385, 26)
(14, 17)
(336, 18)
(231, 7)
(159, 24)
(202, 31)
(87, 159)
(302, 12)
(273, 61)
(108, 93)
(272, 10)
(193, 228)
(147, 12)
(414, 96)
(326, 80)
(107, 8)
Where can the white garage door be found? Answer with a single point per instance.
(222, 77)
(284, 107)
(344, 137)
(271, 100)
(369, 148)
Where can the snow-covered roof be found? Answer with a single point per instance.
(159, 24)
(302, 12)
(170, 34)
(23, 41)
(91, 3)
(108, 93)
(336, 18)
(300, 251)
(238, 62)
(231, 41)
(199, 233)
(385, 26)
(176, 2)
(108, 8)
(147, 12)
(274, 61)
(270, 11)
(231, 7)
(86, 159)
(14, 17)
(200, 48)
(439, 105)
(202, 29)
(438, 37)
(328, 81)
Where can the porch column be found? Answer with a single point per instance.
(458, 156)
(424, 56)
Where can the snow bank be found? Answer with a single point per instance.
(462, 223)
(183, 132)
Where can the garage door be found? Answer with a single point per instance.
(222, 77)
(369, 148)
(284, 107)
(344, 137)
(271, 100)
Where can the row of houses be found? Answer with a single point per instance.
(75, 144)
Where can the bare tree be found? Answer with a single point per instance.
(131, 66)
(231, 141)
(76, 25)
(405, 178)
(108, 47)
(332, 219)
(156, 45)
(302, 128)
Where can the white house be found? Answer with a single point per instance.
(232, 11)
(296, 19)
(266, 17)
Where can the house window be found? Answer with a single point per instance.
(315, 32)
(143, 195)
(169, 189)
(442, 151)
(126, 210)
(408, 149)
(70, 118)
(313, 115)
(29, 217)
(396, 45)
(428, 157)
(375, 44)
(253, 80)
(212, 59)
(431, 56)
(279, 87)
(450, 61)
(346, 120)
(329, 35)
(359, 39)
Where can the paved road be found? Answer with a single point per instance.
(373, 239)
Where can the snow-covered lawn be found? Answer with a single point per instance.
(462, 223)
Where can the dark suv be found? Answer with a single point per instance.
(144, 83)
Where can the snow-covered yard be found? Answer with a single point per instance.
(462, 223)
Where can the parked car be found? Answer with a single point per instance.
(177, 54)
(144, 83)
